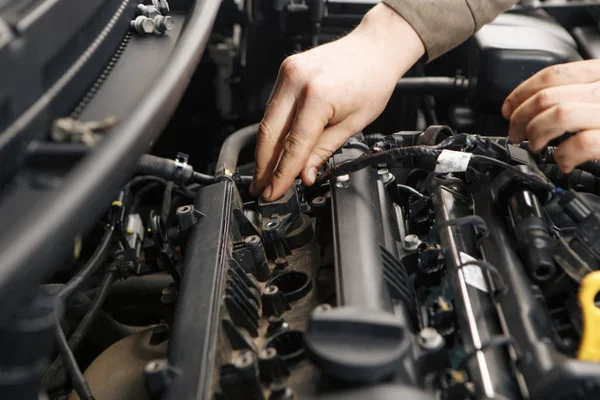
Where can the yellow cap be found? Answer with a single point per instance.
(589, 348)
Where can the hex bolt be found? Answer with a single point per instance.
(162, 6)
(411, 242)
(163, 24)
(148, 11)
(384, 175)
(343, 181)
(430, 339)
(318, 201)
(142, 25)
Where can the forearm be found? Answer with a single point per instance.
(444, 24)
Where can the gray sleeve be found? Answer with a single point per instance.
(444, 24)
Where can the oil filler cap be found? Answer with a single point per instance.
(356, 345)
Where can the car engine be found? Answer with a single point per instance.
(431, 259)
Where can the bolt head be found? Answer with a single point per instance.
(430, 339)
(146, 26)
(168, 23)
(411, 242)
(343, 181)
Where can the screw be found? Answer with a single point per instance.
(162, 6)
(411, 242)
(148, 11)
(430, 339)
(163, 24)
(343, 181)
(142, 25)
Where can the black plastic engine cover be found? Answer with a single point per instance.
(512, 49)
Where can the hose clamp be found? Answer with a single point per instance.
(183, 171)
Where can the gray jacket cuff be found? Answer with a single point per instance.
(444, 24)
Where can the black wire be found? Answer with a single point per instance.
(473, 220)
(392, 155)
(79, 383)
(496, 341)
(150, 178)
(501, 286)
(411, 190)
(90, 267)
(526, 177)
(83, 327)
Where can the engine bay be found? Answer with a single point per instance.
(431, 259)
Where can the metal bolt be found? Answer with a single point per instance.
(148, 11)
(411, 242)
(163, 24)
(162, 6)
(385, 175)
(142, 25)
(343, 181)
(430, 339)
(318, 201)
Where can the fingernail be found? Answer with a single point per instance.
(506, 109)
(312, 175)
(267, 192)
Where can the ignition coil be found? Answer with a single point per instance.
(528, 222)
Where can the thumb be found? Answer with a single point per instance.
(330, 140)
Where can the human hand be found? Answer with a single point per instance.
(559, 99)
(326, 95)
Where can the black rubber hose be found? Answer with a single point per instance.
(90, 267)
(79, 383)
(82, 329)
(43, 153)
(230, 152)
(434, 86)
(547, 157)
(581, 181)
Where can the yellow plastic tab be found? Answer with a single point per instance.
(589, 348)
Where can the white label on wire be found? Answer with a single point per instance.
(452, 161)
(472, 273)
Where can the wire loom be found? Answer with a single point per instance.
(427, 156)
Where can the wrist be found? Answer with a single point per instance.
(396, 39)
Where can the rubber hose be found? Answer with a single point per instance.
(79, 383)
(580, 180)
(89, 268)
(547, 157)
(82, 329)
(230, 152)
